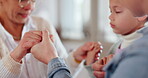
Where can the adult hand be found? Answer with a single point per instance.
(29, 39)
(81, 53)
(45, 50)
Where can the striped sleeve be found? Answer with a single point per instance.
(9, 68)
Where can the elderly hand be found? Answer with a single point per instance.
(29, 39)
(45, 50)
(98, 66)
(81, 53)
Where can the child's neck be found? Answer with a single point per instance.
(128, 39)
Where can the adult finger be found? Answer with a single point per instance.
(45, 36)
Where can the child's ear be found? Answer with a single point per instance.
(143, 18)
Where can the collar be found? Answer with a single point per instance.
(144, 30)
(128, 39)
(132, 36)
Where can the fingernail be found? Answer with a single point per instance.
(101, 51)
(99, 42)
(101, 47)
(99, 54)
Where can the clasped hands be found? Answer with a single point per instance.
(39, 43)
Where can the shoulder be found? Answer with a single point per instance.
(42, 24)
(138, 48)
(141, 43)
(39, 20)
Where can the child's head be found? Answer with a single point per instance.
(122, 20)
(138, 7)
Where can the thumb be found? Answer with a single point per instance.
(45, 36)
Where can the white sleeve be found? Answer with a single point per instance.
(72, 64)
(9, 68)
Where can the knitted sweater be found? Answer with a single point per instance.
(35, 69)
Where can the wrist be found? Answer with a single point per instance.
(48, 59)
(16, 55)
(75, 59)
(88, 63)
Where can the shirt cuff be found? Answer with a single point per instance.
(71, 60)
(56, 64)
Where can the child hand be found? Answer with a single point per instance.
(93, 55)
(81, 53)
(98, 66)
(107, 59)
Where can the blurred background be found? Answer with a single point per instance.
(78, 21)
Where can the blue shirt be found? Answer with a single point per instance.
(58, 69)
(132, 62)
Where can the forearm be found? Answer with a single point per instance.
(58, 69)
(9, 68)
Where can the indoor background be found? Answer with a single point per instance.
(78, 21)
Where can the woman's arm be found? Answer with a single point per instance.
(9, 68)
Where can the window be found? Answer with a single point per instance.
(75, 16)
(72, 18)
(104, 23)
